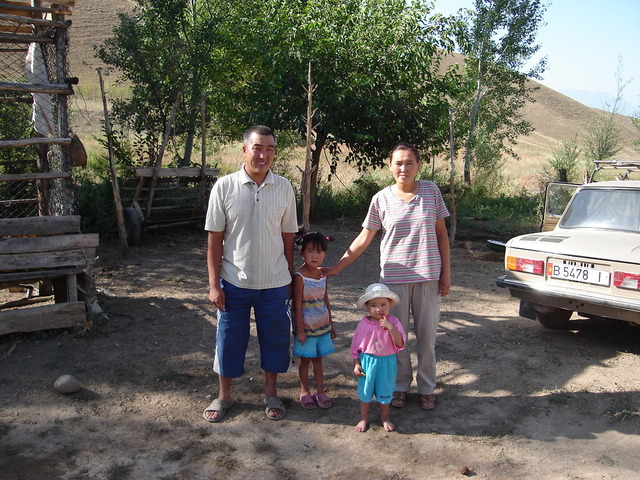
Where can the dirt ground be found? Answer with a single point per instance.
(514, 400)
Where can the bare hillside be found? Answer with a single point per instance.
(555, 117)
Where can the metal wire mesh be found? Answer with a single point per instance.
(18, 199)
(28, 114)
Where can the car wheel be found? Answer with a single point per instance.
(132, 225)
(557, 319)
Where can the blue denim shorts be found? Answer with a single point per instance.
(315, 346)
(271, 308)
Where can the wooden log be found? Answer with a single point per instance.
(17, 38)
(11, 245)
(10, 177)
(34, 21)
(59, 315)
(65, 258)
(115, 185)
(52, 88)
(25, 301)
(36, 275)
(25, 142)
(40, 225)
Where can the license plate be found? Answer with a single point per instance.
(576, 272)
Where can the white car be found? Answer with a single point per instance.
(589, 263)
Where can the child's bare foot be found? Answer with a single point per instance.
(388, 426)
(362, 426)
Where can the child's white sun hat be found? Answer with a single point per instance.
(376, 290)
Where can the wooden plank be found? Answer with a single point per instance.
(49, 225)
(72, 288)
(11, 245)
(45, 317)
(177, 172)
(36, 275)
(64, 258)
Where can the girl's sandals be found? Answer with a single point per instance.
(322, 400)
(399, 399)
(307, 402)
(427, 402)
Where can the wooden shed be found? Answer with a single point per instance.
(41, 246)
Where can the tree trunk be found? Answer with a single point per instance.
(306, 179)
(321, 138)
(472, 128)
(452, 172)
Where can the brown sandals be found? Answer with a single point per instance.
(399, 399)
(427, 402)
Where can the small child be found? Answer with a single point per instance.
(375, 342)
(313, 328)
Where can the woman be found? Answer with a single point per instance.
(414, 263)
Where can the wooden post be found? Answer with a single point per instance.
(122, 233)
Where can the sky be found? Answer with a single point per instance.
(585, 42)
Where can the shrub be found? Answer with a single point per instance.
(94, 203)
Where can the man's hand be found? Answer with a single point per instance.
(216, 296)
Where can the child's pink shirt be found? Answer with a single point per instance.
(372, 339)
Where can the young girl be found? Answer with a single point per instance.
(313, 327)
(375, 342)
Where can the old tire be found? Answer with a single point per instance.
(557, 319)
(132, 225)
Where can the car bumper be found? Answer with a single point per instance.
(584, 302)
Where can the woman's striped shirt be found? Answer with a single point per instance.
(409, 247)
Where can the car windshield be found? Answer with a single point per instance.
(604, 208)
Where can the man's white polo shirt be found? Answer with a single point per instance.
(253, 218)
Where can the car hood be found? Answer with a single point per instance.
(586, 243)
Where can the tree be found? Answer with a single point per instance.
(563, 164)
(602, 138)
(374, 65)
(163, 49)
(498, 39)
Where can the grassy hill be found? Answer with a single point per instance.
(555, 117)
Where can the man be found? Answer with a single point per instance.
(251, 223)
